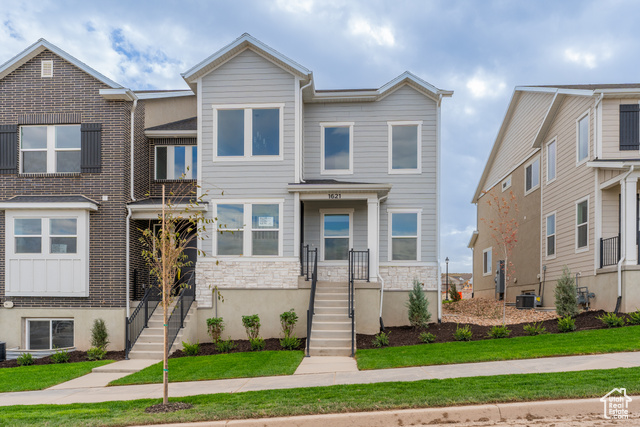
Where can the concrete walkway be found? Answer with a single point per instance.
(321, 376)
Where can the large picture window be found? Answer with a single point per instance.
(405, 235)
(50, 149)
(49, 334)
(176, 162)
(337, 148)
(405, 147)
(249, 229)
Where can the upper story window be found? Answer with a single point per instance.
(248, 132)
(404, 235)
(336, 143)
(583, 138)
(582, 225)
(50, 149)
(532, 175)
(486, 261)
(551, 235)
(405, 147)
(551, 161)
(176, 162)
(249, 228)
(506, 184)
(630, 126)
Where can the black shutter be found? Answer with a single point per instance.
(91, 147)
(8, 149)
(629, 126)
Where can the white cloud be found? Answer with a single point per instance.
(466, 232)
(585, 59)
(483, 85)
(296, 6)
(380, 35)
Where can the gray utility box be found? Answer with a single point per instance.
(528, 301)
(3, 351)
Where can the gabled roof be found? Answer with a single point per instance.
(37, 48)
(245, 41)
(186, 128)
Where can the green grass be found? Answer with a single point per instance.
(39, 377)
(335, 399)
(220, 366)
(585, 342)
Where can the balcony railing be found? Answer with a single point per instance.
(609, 251)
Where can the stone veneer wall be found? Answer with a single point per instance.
(243, 275)
(402, 277)
(334, 273)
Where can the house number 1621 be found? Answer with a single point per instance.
(335, 196)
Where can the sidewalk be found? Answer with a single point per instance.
(324, 374)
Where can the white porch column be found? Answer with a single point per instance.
(629, 191)
(296, 224)
(373, 236)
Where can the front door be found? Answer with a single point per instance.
(336, 235)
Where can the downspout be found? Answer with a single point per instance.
(301, 160)
(378, 272)
(439, 147)
(623, 255)
(133, 198)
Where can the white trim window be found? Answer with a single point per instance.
(551, 160)
(582, 139)
(506, 184)
(486, 261)
(532, 175)
(249, 228)
(337, 234)
(404, 234)
(336, 147)
(48, 334)
(405, 147)
(50, 149)
(248, 132)
(176, 162)
(47, 253)
(551, 236)
(582, 225)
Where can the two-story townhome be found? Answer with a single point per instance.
(570, 155)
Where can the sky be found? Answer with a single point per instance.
(479, 49)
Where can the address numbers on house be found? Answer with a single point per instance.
(335, 195)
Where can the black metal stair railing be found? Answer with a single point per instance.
(311, 255)
(185, 299)
(609, 251)
(358, 270)
(139, 319)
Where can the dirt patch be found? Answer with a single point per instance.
(169, 407)
(488, 312)
(207, 349)
(74, 356)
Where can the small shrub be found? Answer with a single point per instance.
(252, 325)
(462, 334)
(190, 349)
(454, 295)
(257, 344)
(565, 293)
(499, 331)
(99, 334)
(381, 339)
(418, 306)
(25, 359)
(566, 324)
(290, 343)
(96, 353)
(288, 321)
(225, 346)
(611, 320)
(60, 356)
(534, 329)
(634, 318)
(215, 326)
(427, 337)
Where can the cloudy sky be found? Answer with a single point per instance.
(479, 49)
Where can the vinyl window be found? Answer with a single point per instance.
(250, 228)
(582, 138)
(405, 235)
(532, 175)
(50, 149)
(551, 235)
(582, 224)
(48, 334)
(486, 261)
(405, 147)
(336, 142)
(551, 161)
(176, 162)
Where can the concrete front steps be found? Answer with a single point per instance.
(331, 328)
(151, 341)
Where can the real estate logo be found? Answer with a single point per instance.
(616, 404)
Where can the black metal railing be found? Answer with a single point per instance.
(358, 270)
(609, 251)
(313, 256)
(307, 261)
(139, 319)
(185, 298)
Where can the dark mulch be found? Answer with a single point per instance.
(406, 335)
(169, 407)
(74, 356)
(207, 349)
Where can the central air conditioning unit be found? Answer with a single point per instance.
(528, 301)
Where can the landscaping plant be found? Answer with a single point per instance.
(566, 324)
(565, 293)
(381, 339)
(225, 346)
(99, 334)
(96, 353)
(190, 349)
(462, 334)
(288, 321)
(611, 320)
(454, 295)
(25, 359)
(290, 343)
(499, 331)
(634, 318)
(252, 325)
(418, 306)
(533, 329)
(427, 338)
(257, 343)
(60, 356)
(215, 326)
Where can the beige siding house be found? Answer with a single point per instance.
(572, 157)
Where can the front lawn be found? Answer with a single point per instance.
(220, 366)
(573, 343)
(335, 399)
(39, 377)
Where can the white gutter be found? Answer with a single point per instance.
(301, 155)
(439, 172)
(133, 198)
(623, 186)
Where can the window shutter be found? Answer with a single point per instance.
(629, 127)
(8, 149)
(91, 147)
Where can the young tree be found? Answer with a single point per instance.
(566, 296)
(164, 252)
(504, 230)
(418, 306)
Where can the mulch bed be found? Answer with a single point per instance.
(207, 349)
(169, 407)
(407, 335)
(74, 356)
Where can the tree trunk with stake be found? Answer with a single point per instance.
(165, 306)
